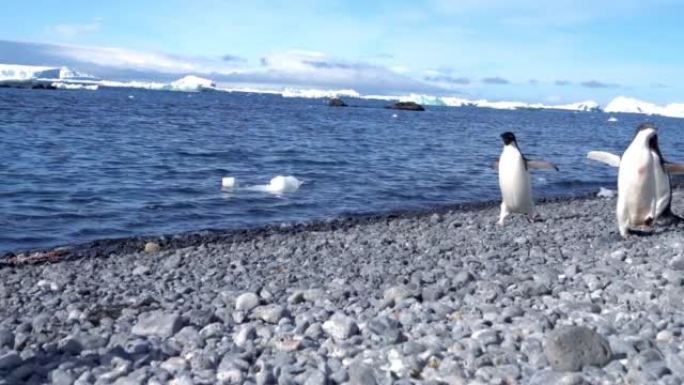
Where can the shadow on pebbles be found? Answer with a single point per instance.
(437, 298)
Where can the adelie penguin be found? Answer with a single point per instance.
(661, 173)
(514, 179)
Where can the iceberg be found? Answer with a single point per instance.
(425, 100)
(188, 83)
(453, 101)
(26, 72)
(25, 76)
(636, 106)
(192, 83)
(70, 86)
(587, 106)
(318, 94)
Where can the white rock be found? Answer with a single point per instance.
(605, 193)
(246, 301)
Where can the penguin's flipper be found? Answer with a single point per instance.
(604, 157)
(674, 168)
(541, 165)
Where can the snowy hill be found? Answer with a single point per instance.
(25, 76)
(430, 100)
(636, 106)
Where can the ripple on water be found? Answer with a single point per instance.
(78, 166)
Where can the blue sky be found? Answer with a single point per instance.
(542, 51)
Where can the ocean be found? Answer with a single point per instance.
(77, 166)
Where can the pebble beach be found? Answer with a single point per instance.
(442, 297)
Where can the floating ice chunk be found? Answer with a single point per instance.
(229, 182)
(395, 116)
(75, 86)
(278, 185)
(192, 83)
(283, 184)
(605, 193)
(316, 94)
(612, 119)
(131, 96)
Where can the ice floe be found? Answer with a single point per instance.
(318, 94)
(605, 193)
(71, 86)
(228, 182)
(278, 185)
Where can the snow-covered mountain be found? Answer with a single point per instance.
(636, 106)
(12, 75)
(188, 83)
(450, 101)
(66, 78)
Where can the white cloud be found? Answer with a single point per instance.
(295, 68)
(70, 31)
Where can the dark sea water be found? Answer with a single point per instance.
(82, 165)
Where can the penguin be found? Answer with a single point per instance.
(636, 203)
(663, 182)
(662, 170)
(514, 179)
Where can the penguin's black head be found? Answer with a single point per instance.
(645, 126)
(508, 138)
(653, 145)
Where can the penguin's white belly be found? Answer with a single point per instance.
(514, 181)
(637, 189)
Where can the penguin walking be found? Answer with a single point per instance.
(514, 179)
(636, 204)
(662, 171)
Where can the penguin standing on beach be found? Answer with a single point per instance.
(514, 179)
(661, 168)
(636, 204)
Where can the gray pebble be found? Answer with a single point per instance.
(340, 327)
(246, 301)
(157, 323)
(570, 348)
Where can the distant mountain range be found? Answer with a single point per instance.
(25, 76)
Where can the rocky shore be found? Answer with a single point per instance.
(445, 297)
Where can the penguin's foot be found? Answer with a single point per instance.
(535, 218)
(670, 218)
(642, 232)
(624, 232)
(649, 221)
